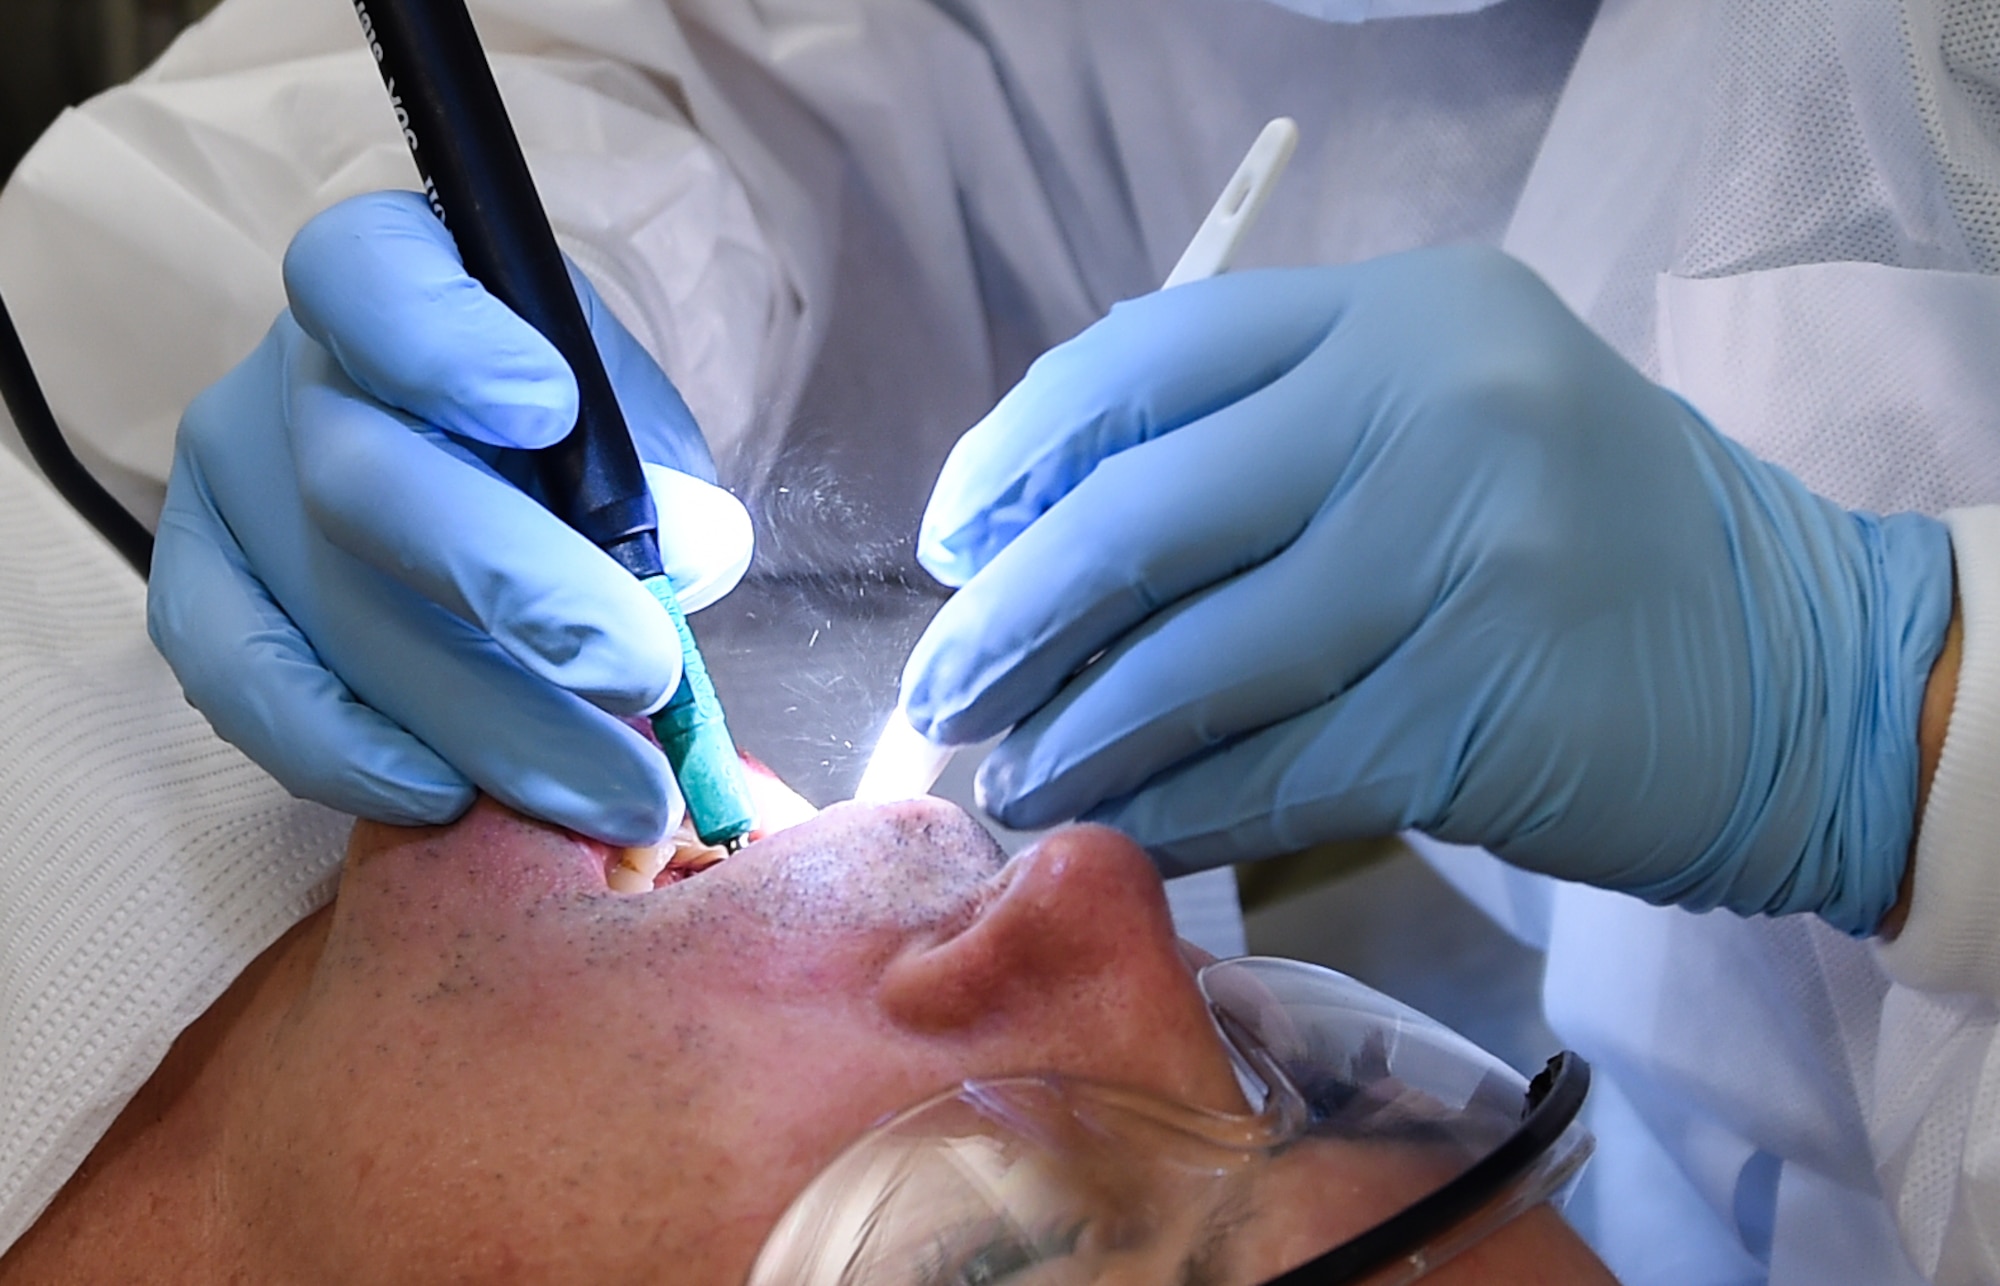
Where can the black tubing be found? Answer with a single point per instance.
(30, 408)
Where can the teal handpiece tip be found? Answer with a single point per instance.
(697, 742)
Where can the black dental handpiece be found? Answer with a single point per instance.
(478, 184)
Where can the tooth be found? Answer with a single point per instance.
(696, 857)
(637, 868)
(623, 879)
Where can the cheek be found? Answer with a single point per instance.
(714, 1120)
(407, 887)
(571, 1114)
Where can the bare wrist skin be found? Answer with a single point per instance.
(1932, 721)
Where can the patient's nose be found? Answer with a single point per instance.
(1075, 954)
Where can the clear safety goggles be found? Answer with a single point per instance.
(1054, 1181)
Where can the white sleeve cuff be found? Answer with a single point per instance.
(1951, 941)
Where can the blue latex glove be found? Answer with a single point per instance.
(1403, 544)
(351, 589)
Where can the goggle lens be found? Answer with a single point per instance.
(1048, 1180)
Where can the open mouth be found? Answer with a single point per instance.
(682, 856)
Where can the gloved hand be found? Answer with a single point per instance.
(349, 586)
(1403, 544)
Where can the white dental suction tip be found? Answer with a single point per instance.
(904, 766)
(1229, 220)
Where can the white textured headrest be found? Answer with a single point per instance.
(143, 862)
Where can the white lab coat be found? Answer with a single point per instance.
(1790, 212)
(844, 225)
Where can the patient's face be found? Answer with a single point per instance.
(498, 1069)
(500, 1066)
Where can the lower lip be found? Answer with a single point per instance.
(641, 870)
